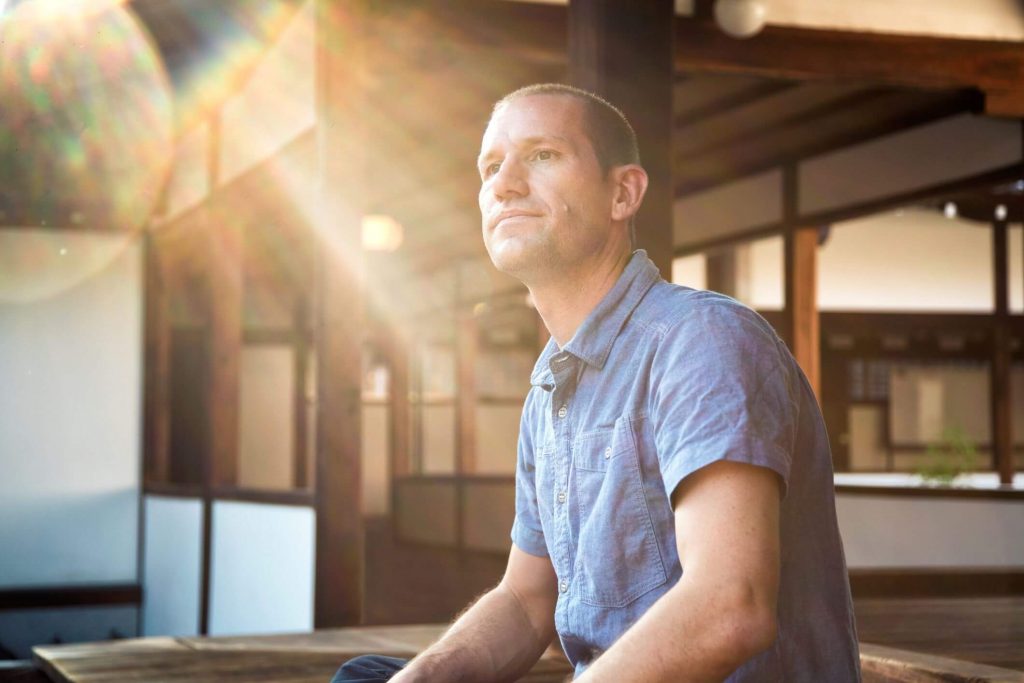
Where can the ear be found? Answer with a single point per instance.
(630, 185)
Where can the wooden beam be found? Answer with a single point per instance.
(623, 52)
(859, 121)
(342, 83)
(995, 67)
(1001, 400)
(802, 324)
(981, 181)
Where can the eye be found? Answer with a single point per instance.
(544, 155)
(491, 169)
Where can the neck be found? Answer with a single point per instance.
(565, 303)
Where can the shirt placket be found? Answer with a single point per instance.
(562, 367)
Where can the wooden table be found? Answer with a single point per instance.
(299, 658)
(951, 640)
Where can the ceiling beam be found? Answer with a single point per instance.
(996, 68)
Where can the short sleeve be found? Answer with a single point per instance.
(723, 388)
(527, 533)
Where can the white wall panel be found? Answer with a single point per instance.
(172, 566)
(70, 414)
(262, 568)
(889, 531)
(497, 437)
(266, 424)
(376, 451)
(957, 147)
(905, 260)
(727, 209)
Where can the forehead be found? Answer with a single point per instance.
(534, 116)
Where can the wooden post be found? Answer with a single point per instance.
(341, 28)
(224, 273)
(158, 359)
(802, 325)
(300, 368)
(623, 52)
(721, 271)
(397, 349)
(999, 366)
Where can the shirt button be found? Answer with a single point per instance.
(563, 411)
(561, 496)
(607, 452)
(564, 586)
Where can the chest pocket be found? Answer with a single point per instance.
(617, 556)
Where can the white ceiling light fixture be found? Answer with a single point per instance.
(741, 18)
(949, 210)
(381, 233)
(1001, 212)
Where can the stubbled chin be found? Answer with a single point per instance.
(509, 254)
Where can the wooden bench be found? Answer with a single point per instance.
(314, 657)
(300, 658)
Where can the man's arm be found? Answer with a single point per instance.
(722, 610)
(502, 635)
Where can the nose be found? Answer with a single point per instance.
(510, 180)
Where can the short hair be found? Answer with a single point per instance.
(607, 128)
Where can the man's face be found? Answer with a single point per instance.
(545, 203)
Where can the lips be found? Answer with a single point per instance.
(513, 213)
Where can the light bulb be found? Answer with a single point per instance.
(740, 18)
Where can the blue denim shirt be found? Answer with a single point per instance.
(659, 381)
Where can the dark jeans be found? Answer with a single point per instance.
(369, 669)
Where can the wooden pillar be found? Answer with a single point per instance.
(341, 91)
(398, 352)
(623, 52)
(300, 367)
(158, 362)
(721, 271)
(802, 331)
(224, 319)
(999, 366)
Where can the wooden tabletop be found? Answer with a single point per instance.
(918, 639)
(299, 658)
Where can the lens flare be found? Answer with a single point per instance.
(87, 116)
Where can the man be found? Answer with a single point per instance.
(675, 516)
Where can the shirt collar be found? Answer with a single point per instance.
(593, 340)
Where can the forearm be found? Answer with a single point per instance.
(694, 633)
(494, 640)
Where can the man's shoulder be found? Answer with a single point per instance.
(670, 309)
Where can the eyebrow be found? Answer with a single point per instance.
(528, 142)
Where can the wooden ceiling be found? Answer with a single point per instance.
(440, 66)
